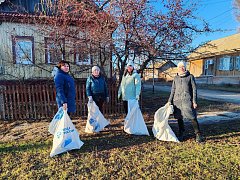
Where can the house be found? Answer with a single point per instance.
(27, 53)
(164, 70)
(217, 62)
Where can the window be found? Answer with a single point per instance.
(23, 49)
(54, 50)
(208, 63)
(237, 67)
(82, 55)
(226, 63)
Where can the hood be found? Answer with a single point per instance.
(96, 77)
(185, 74)
(60, 71)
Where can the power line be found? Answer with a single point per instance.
(210, 3)
(221, 14)
(225, 19)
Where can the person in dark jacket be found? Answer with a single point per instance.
(96, 88)
(184, 99)
(65, 87)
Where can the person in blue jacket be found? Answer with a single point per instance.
(130, 87)
(96, 88)
(65, 87)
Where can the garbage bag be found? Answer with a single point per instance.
(161, 129)
(65, 137)
(56, 119)
(95, 121)
(134, 122)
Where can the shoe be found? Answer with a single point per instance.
(180, 136)
(199, 138)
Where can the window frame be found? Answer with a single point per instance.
(206, 64)
(237, 65)
(14, 50)
(79, 63)
(222, 67)
(46, 41)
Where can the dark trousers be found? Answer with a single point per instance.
(194, 124)
(125, 106)
(99, 103)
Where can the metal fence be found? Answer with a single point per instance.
(35, 100)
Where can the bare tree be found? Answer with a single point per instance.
(130, 29)
(237, 6)
(81, 23)
(144, 34)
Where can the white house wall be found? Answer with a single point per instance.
(20, 71)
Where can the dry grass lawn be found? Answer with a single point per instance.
(113, 154)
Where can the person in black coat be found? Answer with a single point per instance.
(184, 99)
(65, 87)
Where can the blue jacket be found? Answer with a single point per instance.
(130, 87)
(65, 90)
(96, 86)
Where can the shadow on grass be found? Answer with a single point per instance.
(27, 146)
(105, 140)
(214, 131)
(114, 137)
(226, 129)
(110, 139)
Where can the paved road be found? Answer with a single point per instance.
(232, 97)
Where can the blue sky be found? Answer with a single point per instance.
(220, 15)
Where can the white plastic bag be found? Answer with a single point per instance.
(56, 119)
(161, 129)
(95, 121)
(66, 136)
(134, 122)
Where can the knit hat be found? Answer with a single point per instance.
(181, 64)
(130, 63)
(95, 68)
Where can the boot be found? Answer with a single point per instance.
(180, 135)
(181, 129)
(199, 138)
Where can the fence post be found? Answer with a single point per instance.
(2, 109)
